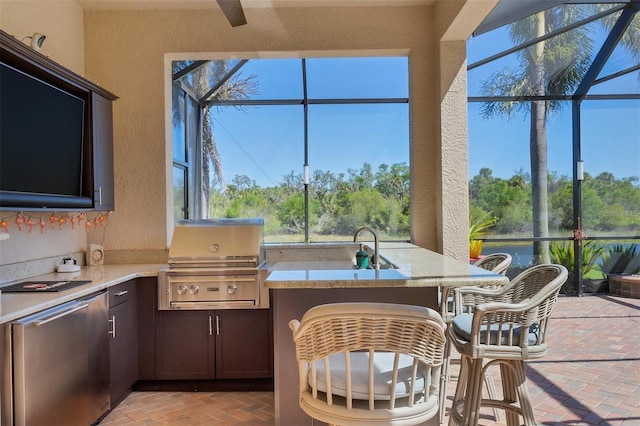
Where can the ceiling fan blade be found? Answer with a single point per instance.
(232, 9)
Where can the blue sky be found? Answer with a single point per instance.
(265, 142)
(610, 130)
(610, 140)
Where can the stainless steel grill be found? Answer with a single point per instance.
(213, 264)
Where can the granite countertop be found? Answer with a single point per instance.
(18, 305)
(416, 267)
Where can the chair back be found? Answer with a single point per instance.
(360, 362)
(495, 262)
(512, 319)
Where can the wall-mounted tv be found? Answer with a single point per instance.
(42, 144)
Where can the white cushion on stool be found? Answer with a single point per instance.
(383, 365)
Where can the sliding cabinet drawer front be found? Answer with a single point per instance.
(120, 293)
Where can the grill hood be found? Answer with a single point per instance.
(215, 240)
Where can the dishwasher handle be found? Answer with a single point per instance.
(64, 313)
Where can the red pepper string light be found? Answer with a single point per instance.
(18, 222)
(29, 223)
(23, 220)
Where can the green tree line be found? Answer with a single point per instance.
(342, 202)
(608, 204)
(339, 203)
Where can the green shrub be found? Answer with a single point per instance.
(562, 253)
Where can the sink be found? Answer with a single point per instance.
(327, 256)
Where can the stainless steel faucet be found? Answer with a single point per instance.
(376, 261)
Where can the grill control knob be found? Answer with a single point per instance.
(194, 289)
(182, 289)
(232, 289)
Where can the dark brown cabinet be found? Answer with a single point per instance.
(88, 179)
(123, 347)
(244, 344)
(103, 193)
(222, 344)
(184, 345)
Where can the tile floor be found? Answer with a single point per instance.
(591, 376)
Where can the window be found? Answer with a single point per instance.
(585, 90)
(317, 147)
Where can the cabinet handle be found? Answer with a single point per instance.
(73, 309)
(217, 325)
(113, 326)
(121, 293)
(100, 195)
(210, 326)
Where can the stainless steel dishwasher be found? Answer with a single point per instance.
(61, 364)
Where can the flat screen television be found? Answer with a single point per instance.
(42, 143)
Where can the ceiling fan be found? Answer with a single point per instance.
(232, 9)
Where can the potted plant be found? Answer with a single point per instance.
(477, 230)
(620, 260)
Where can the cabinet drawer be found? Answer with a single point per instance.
(120, 293)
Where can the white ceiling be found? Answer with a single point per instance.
(247, 4)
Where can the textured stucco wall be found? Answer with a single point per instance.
(454, 190)
(62, 21)
(125, 52)
(63, 24)
(454, 22)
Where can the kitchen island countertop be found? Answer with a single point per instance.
(414, 267)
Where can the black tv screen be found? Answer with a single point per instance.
(41, 143)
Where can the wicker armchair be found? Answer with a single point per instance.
(495, 262)
(363, 363)
(506, 326)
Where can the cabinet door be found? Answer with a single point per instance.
(147, 293)
(123, 349)
(103, 197)
(244, 348)
(184, 345)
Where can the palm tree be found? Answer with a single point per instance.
(201, 80)
(553, 66)
(631, 38)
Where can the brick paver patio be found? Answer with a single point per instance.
(591, 376)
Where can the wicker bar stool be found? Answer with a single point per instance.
(362, 363)
(495, 262)
(508, 326)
